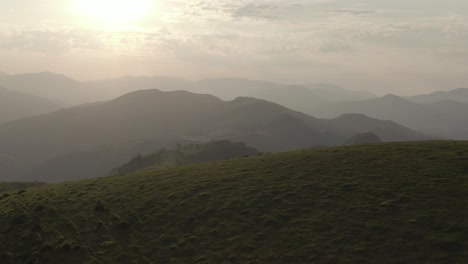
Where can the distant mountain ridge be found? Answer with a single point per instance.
(153, 115)
(442, 118)
(335, 93)
(55, 87)
(297, 97)
(459, 95)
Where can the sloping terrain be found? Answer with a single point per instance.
(384, 203)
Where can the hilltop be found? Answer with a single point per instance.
(383, 203)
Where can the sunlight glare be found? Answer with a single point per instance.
(115, 11)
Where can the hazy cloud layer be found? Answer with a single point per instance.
(378, 45)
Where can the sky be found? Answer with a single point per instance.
(384, 46)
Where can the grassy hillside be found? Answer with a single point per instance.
(384, 203)
(188, 154)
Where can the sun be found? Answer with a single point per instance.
(117, 12)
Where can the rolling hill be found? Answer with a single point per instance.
(16, 105)
(383, 203)
(71, 136)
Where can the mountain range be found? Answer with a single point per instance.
(167, 117)
(64, 90)
(297, 97)
(439, 113)
(104, 123)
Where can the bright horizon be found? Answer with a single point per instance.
(380, 46)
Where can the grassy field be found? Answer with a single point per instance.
(384, 203)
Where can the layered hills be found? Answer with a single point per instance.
(166, 117)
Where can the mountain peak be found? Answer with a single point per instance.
(154, 95)
(394, 98)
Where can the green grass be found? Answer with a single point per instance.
(385, 203)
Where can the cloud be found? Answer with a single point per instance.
(50, 41)
(354, 11)
(255, 11)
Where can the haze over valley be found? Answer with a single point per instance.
(299, 131)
